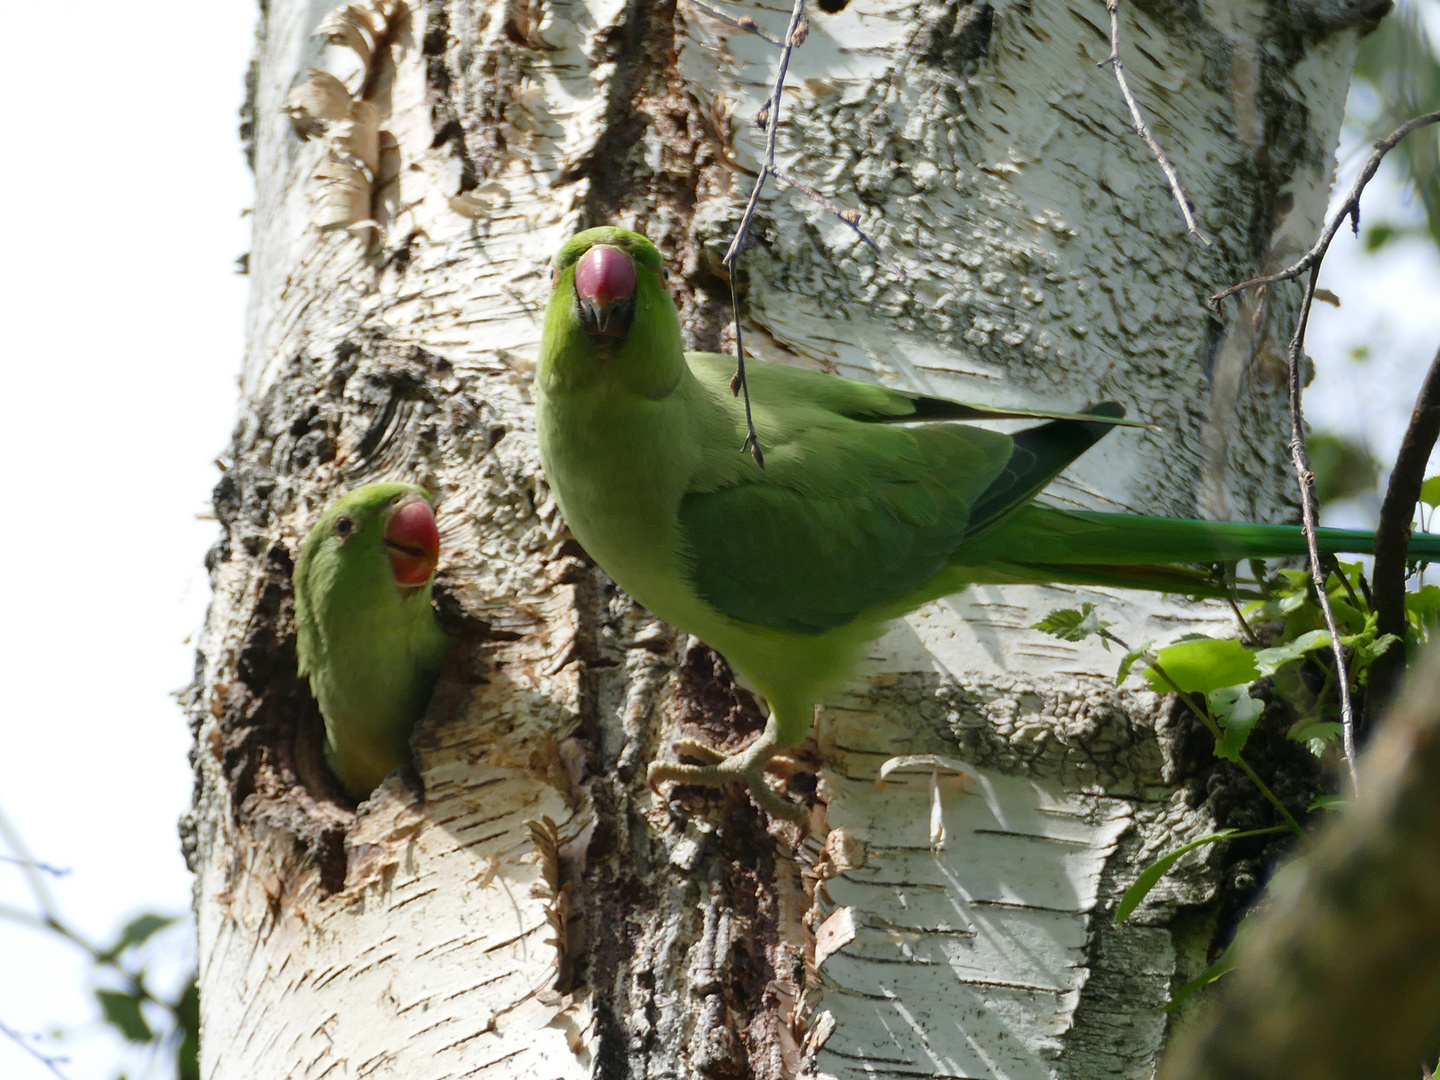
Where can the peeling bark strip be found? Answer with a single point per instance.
(520, 904)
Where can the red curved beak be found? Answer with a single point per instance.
(412, 541)
(605, 287)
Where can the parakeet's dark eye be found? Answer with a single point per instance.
(343, 526)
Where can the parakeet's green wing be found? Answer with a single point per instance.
(868, 401)
(848, 515)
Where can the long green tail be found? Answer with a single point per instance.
(1043, 544)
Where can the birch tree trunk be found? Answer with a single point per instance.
(521, 905)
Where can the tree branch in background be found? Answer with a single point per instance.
(1392, 539)
(51, 1062)
(1172, 177)
(1311, 262)
(1340, 978)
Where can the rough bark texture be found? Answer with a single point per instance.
(520, 905)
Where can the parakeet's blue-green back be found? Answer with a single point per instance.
(366, 633)
(870, 503)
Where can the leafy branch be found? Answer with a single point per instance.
(123, 1009)
(1217, 669)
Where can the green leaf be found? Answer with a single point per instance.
(1377, 236)
(1128, 661)
(1071, 625)
(1364, 650)
(1343, 468)
(1151, 875)
(1204, 664)
(137, 931)
(123, 1011)
(1224, 964)
(1424, 603)
(187, 1054)
(1329, 802)
(1317, 735)
(1271, 660)
(1236, 711)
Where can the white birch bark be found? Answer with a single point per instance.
(536, 912)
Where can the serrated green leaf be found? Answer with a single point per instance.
(123, 1011)
(1236, 712)
(1317, 735)
(1224, 964)
(1068, 624)
(1365, 649)
(1271, 660)
(1204, 664)
(1151, 875)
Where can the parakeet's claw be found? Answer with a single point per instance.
(701, 752)
(747, 765)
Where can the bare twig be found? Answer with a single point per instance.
(1308, 516)
(769, 117)
(44, 868)
(794, 36)
(50, 1062)
(1311, 262)
(1172, 177)
(1349, 208)
(742, 23)
(1392, 539)
(849, 217)
(752, 441)
(29, 866)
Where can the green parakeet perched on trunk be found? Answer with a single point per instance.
(871, 501)
(366, 633)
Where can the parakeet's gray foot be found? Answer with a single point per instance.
(747, 765)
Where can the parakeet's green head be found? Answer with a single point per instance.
(610, 317)
(377, 537)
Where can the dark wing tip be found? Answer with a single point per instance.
(1110, 409)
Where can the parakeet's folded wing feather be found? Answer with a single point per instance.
(849, 514)
(868, 401)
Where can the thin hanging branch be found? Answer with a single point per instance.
(1349, 208)
(1308, 516)
(1172, 176)
(744, 22)
(1312, 261)
(49, 1061)
(1392, 539)
(768, 116)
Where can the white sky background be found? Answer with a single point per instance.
(125, 184)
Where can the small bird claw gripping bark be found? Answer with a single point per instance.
(747, 765)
